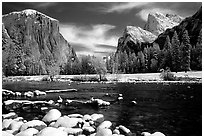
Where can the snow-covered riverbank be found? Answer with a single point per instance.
(145, 77)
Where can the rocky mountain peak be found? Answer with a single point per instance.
(138, 34)
(29, 13)
(133, 37)
(32, 43)
(157, 22)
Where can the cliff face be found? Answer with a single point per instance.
(157, 23)
(145, 49)
(192, 24)
(31, 44)
(133, 37)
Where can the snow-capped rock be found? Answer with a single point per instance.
(51, 131)
(28, 132)
(137, 34)
(38, 36)
(33, 124)
(29, 12)
(157, 23)
(133, 37)
(52, 115)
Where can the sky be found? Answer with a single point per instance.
(94, 27)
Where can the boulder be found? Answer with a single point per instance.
(124, 130)
(29, 94)
(91, 122)
(38, 93)
(97, 118)
(5, 133)
(85, 124)
(52, 124)
(104, 132)
(28, 132)
(15, 125)
(33, 124)
(18, 119)
(105, 124)
(98, 102)
(17, 94)
(52, 115)
(94, 134)
(67, 122)
(88, 130)
(75, 116)
(9, 115)
(6, 123)
(146, 134)
(116, 131)
(73, 131)
(157, 134)
(51, 131)
(86, 117)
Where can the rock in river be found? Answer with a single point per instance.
(157, 134)
(73, 131)
(86, 117)
(5, 133)
(105, 124)
(6, 123)
(124, 130)
(97, 118)
(28, 132)
(52, 115)
(33, 124)
(65, 121)
(104, 132)
(15, 125)
(51, 131)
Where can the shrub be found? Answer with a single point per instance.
(167, 75)
(88, 78)
(45, 78)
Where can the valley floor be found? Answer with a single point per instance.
(196, 75)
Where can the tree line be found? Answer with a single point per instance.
(176, 55)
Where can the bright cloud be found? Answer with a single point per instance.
(143, 14)
(123, 7)
(89, 36)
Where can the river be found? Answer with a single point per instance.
(173, 109)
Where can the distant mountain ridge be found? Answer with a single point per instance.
(32, 43)
(144, 50)
(157, 23)
(134, 36)
(192, 24)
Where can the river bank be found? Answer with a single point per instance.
(193, 76)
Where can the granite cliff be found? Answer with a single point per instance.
(192, 24)
(144, 50)
(157, 23)
(133, 37)
(32, 44)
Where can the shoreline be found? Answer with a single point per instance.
(112, 78)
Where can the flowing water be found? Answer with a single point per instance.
(173, 109)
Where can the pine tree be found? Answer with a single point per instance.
(166, 54)
(126, 62)
(175, 52)
(186, 51)
(146, 58)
